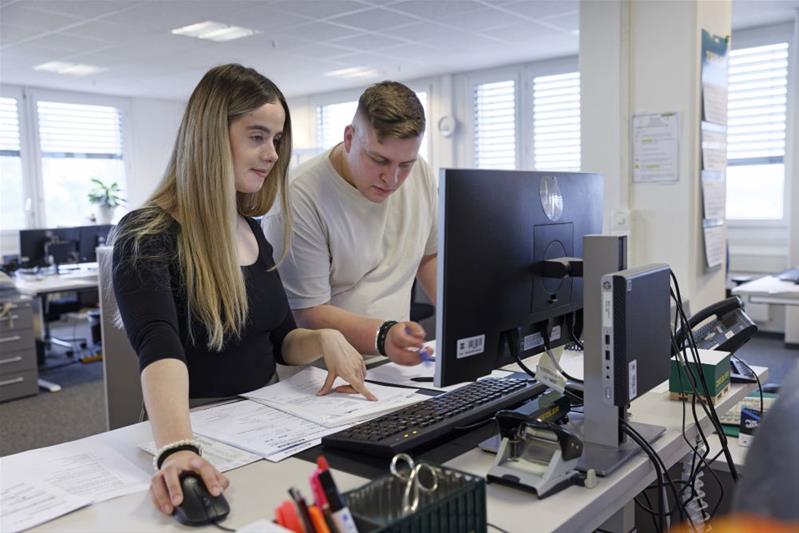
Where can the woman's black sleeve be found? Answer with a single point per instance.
(146, 303)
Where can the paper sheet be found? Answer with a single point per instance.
(297, 396)
(26, 504)
(410, 376)
(259, 429)
(655, 148)
(715, 245)
(223, 456)
(714, 99)
(714, 195)
(39, 485)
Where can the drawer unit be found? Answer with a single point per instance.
(18, 371)
(18, 384)
(17, 361)
(16, 340)
(19, 316)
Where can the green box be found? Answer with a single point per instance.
(715, 368)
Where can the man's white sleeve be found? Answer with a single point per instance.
(305, 271)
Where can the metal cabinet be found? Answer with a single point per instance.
(18, 370)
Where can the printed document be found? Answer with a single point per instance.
(29, 503)
(258, 429)
(297, 396)
(223, 456)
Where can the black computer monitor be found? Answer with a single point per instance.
(496, 228)
(33, 244)
(90, 238)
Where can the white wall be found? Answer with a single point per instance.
(153, 126)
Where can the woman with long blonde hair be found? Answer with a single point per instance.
(194, 276)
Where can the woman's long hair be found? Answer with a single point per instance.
(198, 190)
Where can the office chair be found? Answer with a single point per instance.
(54, 309)
(420, 310)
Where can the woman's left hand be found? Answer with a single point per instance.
(344, 361)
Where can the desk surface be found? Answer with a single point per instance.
(71, 281)
(769, 287)
(258, 488)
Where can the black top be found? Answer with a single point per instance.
(152, 302)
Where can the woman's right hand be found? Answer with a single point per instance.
(165, 491)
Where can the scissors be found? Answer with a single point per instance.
(413, 483)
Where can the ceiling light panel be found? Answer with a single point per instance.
(214, 31)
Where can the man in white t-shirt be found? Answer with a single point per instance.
(365, 226)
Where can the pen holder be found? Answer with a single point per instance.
(458, 505)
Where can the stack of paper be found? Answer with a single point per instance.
(419, 376)
(259, 429)
(297, 396)
(223, 456)
(39, 485)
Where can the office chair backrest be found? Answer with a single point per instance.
(123, 396)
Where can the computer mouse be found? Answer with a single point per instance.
(199, 506)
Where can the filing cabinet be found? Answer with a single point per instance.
(18, 371)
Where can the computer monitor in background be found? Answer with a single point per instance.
(90, 238)
(33, 244)
(496, 228)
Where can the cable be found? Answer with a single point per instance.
(633, 433)
(513, 346)
(489, 524)
(658, 473)
(223, 528)
(548, 351)
(708, 408)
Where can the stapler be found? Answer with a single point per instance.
(535, 456)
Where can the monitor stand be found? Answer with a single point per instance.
(606, 459)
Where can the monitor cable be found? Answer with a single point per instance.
(513, 347)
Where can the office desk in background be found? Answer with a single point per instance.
(256, 489)
(774, 291)
(40, 287)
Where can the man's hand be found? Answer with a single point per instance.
(344, 361)
(404, 342)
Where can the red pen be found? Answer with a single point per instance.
(286, 516)
(319, 493)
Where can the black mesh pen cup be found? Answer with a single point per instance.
(457, 505)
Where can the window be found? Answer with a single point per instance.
(494, 109)
(77, 142)
(12, 213)
(756, 132)
(331, 119)
(556, 122)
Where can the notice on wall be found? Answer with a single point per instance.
(714, 147)
(715, 244)
(715, 92)
(714, 194)
(655, 148)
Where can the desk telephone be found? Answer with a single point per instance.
(729, 329)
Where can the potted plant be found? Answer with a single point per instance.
(106, 198)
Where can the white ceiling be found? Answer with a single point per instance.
(300, 39)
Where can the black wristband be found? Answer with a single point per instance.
(170, 451)
(382, 334)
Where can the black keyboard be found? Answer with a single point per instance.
(790, 275)
(414, 426)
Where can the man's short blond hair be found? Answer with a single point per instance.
(393, 110)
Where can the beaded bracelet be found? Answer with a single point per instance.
(178, 446)
(382, 334)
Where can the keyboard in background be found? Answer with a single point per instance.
(790, 275)
(419, 424)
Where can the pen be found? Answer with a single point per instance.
(426, 379)
(302, 509)
(342, 518)
(318, 520)
(286, 516)
(319, 493)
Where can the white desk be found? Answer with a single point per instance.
(772, 290)
(258, 488)
(39, 287)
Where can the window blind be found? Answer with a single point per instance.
(758, 86)
(494, 108)
(556, 122)
(9, 127)
(77, 130)
(331, 120)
